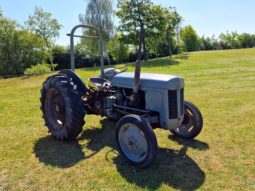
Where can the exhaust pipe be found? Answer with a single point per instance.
(134, 97)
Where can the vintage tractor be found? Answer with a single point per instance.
(158, 102)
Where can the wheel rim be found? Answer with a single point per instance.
(55, 109)
(188, 124)
(133, 142)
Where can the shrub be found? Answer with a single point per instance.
(190, 39)
(38, 69)
(19, 48)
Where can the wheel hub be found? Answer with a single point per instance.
(133, 142)
(55, 109)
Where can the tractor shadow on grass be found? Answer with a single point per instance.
(99, 138)
(171, 167)
(193, 143)
(66, 154)
(58, 154)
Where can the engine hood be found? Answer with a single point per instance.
(148, 81)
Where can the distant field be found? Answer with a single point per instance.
(220, 83)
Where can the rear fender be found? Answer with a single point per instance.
(76, 79)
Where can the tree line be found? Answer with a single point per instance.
(229, 40)
(27, 45)
(145, 30)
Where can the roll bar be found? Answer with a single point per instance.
(72, 52)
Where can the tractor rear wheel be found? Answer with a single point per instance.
(136, 140)
(192, 123)
(62, 107)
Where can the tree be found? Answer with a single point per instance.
(140, 20)
(229, 40)
(173, 21)
(98, 13)
(42, 24)
(155, 28)
(247, 40)
(117, 49)
(190, 38)
(206, 43)
(19, 49)
(133, 21)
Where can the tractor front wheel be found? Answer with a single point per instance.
(136, 140)
(62, 107)
(192, 123)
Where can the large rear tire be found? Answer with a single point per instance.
(62, 107)
(136, 140)
(192, 124)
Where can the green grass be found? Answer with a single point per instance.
(220, 83)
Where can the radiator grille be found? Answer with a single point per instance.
(182, 101)
(172, 104)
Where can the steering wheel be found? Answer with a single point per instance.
(110, 72)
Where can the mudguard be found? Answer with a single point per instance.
(76, 79)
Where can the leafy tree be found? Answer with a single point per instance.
(133, 15)
(215, 43)
(43, 24)
(61, 56)
(133, 20)
(118, 50)
(153, 30)
(247, 40)
(206, 43)
(140, 20)
(190, 38)
(156, 23)
(229, 40)
(154, 26)
(19, 49)
(100, 14)
(173, 21)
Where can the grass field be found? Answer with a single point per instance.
(220, 83)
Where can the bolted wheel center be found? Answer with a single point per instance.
(133, 142)
(134, 145)
(136, 140)
(55, 109)
(130, 142)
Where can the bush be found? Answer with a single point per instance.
(190, 39)
(38, 69)
(19, 48)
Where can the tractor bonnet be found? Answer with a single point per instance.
(148, 81)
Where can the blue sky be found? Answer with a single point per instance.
(208, 17)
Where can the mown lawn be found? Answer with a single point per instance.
(220, 83)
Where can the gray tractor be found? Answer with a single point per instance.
(138, 102)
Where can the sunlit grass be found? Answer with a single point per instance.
(220, 83)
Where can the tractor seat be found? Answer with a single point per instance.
(98, 82)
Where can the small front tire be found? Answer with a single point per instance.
(192, 124)
(136, 140)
